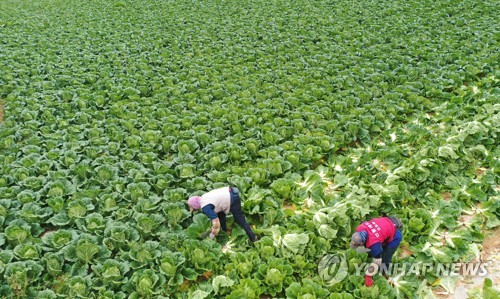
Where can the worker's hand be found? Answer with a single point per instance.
(377, 262)
(368, 281)
(212, 236)
(215, 226)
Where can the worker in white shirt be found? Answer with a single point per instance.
(216, 204)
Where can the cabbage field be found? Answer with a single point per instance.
(323, 113)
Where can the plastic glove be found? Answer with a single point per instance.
(377, 262)
(212, 236)
(368, 281)
(371, 270)
(215, 226)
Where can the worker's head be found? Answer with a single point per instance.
(194, 203)
(358, 240)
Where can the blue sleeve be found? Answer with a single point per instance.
(209, 211)
(376, 250)
(398, 237)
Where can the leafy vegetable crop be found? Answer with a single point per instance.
(322, 113)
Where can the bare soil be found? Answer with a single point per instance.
(446, 196)
(405, 252)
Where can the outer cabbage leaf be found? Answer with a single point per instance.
(143, 254)
(19, 275)
(112, 272)
(54, 263)
(18, 231)
(28, 251)
(222, 284)
(175, 213)
(147, 224)
(275, 275)
(306, 289)
(145, 284)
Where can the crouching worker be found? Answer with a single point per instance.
(380, 238)
(216, 204)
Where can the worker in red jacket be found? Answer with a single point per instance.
(380, 238)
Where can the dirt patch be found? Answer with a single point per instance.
(48, 230)
(405, 252)
(492, 242)
(466, 219)
(490, 255)
(480, 172)
(446, 196)
(287, 206)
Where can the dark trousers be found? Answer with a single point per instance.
(238, 215)
(387, 254)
